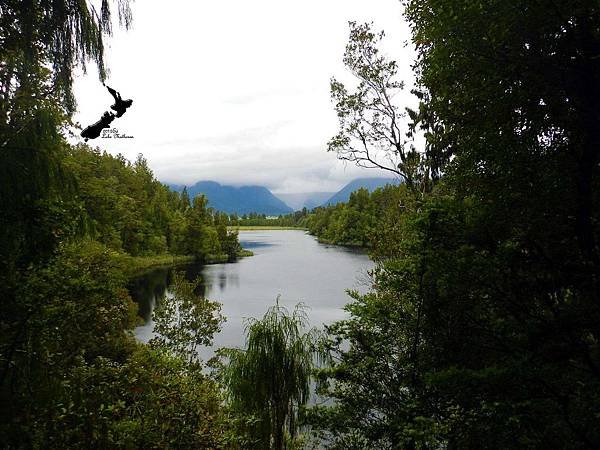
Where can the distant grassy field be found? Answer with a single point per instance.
(263, 227)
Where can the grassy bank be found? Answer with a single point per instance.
(262, 227)
(352, 244)
(133, 265)
(219, 259)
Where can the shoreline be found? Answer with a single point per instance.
(262, 228)
(138, 265)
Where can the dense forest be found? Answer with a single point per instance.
(482, 329)
(125, 208)
(363, 220)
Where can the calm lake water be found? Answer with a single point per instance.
(287, 263)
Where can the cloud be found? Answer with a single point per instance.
(284, 169)
(237, 92)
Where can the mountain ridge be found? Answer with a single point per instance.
(239, 200)
(260, 200)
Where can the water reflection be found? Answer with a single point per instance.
(288, 262)
(250, 245)
(148, 290)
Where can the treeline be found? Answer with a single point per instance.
(295, 219)
(125, 208)
(363, 220)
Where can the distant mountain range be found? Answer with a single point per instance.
(239, 200)
(258, 199)
(370, 184)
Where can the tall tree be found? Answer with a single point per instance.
(517, 95)
(184, 321)
(370, 121)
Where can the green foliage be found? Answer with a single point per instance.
(72, 374)
(130, 211)
(62, 311)
(482, 329)
(230, 244)
(42, 42)
(45, 323)
(365, 220)
(184, 321)
(270, 380)
(151, 400)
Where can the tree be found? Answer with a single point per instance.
(184, 322)
(518, 106)
(230, 245)
(42, 44)
(185, 199)
(71, 373)
(369, 120)
(71, 301)
(271, 378)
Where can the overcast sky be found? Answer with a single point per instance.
(237, 91)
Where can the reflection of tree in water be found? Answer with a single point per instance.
(193, 272)
(150, 288)
(222, 280)
(249, 245)
(147, 290)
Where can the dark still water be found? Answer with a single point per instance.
(287, 263)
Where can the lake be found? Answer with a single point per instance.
(289, 263)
